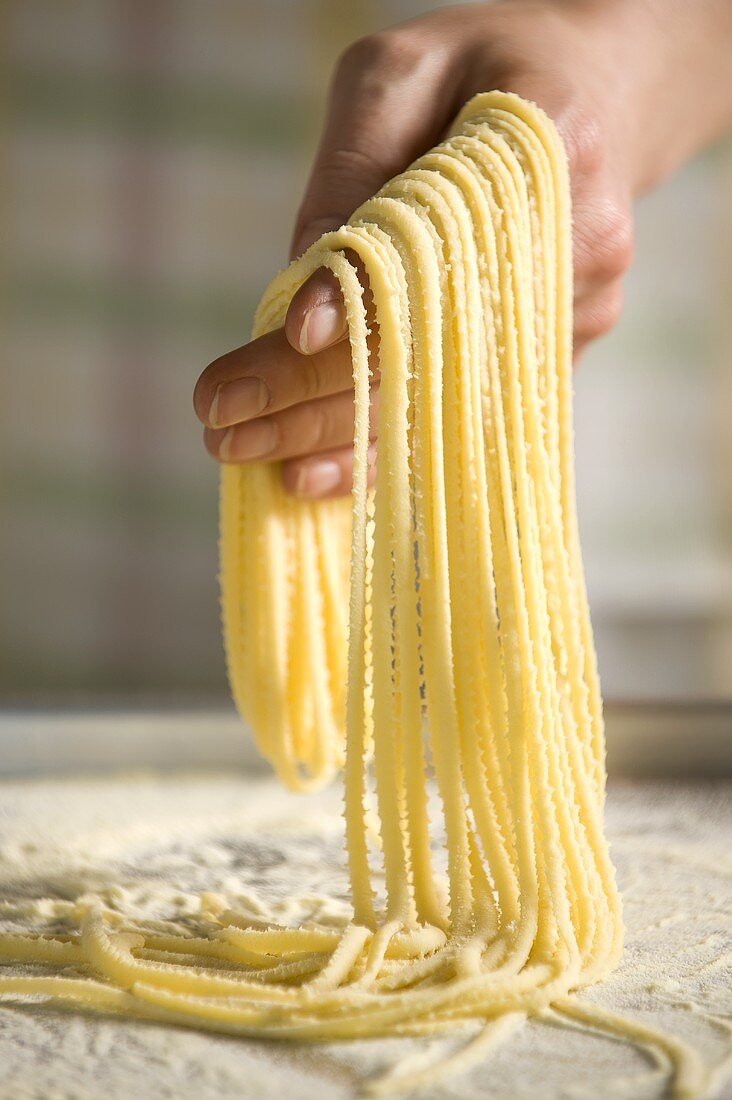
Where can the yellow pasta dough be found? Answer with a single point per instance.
(473, 744)
(470, 653)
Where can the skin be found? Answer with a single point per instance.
(635, 87)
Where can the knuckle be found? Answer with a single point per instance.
(316, 435)
(339, 167)
(601, 317)
(607, 318)
(309, 377)
(618, 242)
(392, 52)
(584, 140)
(364, 52)
(613, 242)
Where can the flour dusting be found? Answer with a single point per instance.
(150, 845)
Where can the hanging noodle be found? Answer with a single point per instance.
(469, 649)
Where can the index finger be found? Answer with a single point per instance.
(265, 376)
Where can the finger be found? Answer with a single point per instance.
(387, 104)
(316, 317)
(602, 242)
(321, 425)
(325, 475)
(597, 313)
(266, 376)
(602, 231)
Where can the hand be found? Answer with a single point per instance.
(604, 70)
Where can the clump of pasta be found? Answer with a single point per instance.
(470, 652)
(472, 715)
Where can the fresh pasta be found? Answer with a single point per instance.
(470, 652)
(470, 728)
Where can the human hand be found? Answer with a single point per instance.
(601, 69)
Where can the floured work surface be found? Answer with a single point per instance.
(149, 846)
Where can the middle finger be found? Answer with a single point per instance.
(266, 376)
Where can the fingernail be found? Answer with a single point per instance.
(248, 441)
(322, 326)
(317, 478)
(241, 399)
(225, 445)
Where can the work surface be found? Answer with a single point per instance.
(150, 843)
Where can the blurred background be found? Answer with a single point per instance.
(154, 155)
